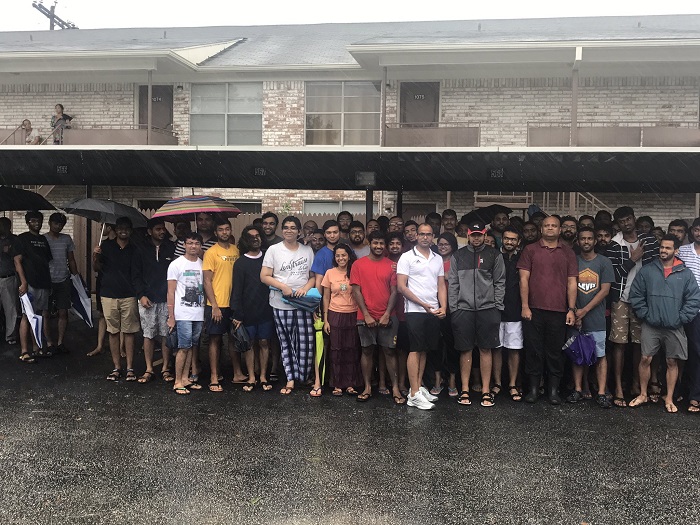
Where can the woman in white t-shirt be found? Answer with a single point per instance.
(286, 269)
(186, 307)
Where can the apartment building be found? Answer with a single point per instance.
(590, 84)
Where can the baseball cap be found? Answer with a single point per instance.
(476, 227)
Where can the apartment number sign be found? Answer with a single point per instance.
(418, 96)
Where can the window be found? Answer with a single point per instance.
(335, 207)
(226, 114)
(248, 206)
(342, 113)
(418, 209)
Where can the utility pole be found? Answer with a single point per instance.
(50, 13)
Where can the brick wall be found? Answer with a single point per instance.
(181, 113)
(109, 105)
(283, 113)
(638, 99)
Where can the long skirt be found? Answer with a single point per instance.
(295, 330)
(345, 350)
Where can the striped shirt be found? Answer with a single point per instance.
(180, 247)
(690, 257)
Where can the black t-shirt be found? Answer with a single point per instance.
(8, 250)
(36, 254)
(116, 270)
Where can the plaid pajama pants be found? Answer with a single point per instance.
(295, 330)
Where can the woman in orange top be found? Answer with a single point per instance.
(340, 314)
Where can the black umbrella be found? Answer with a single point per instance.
(486, 214)
(105, 211)
(16, 199)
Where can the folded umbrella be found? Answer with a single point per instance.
(319, 355)
(308, 302)
(80, 300)
(580, 348)
(194, 204)
(36, 322)
(15, 199)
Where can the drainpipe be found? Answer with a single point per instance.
(382, 123)
(150, 105)
(574, 97)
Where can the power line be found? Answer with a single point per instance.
(54, 19)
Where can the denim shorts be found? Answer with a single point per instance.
(262, 330)
(188, 333)
(599, 338)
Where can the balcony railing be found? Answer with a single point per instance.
(615, 134)
(433, 134)
(125, 135)
(12, 136)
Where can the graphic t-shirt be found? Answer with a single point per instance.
(591, 275)
(375, 278)
(342, 300)
(59, 250)
(189, 294)
(290, 267)
(36, 255)
(220, 260)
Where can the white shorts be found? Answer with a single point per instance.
(511, 335)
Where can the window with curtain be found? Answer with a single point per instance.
(342, 113)
(226, 114)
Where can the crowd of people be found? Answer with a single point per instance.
(413, 311)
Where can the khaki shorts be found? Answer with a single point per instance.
(121, 315)
(624, 322)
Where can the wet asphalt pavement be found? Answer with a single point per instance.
(76, 449)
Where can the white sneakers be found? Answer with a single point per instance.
(427, 395)
(420, 401)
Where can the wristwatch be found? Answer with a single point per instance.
(572, 309)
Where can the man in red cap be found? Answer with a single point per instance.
(476, 287)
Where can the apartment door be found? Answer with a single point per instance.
(420, 104)
(162, 107)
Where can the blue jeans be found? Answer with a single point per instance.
(188, 333)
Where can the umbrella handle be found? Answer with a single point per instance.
(102, 233)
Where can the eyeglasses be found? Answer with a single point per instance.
(357, 231)
(444, 245)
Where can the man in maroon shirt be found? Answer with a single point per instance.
(548, 281)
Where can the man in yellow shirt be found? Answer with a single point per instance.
(218, 282)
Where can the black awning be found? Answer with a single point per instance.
(425, 170)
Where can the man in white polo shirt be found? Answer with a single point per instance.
(420, 278)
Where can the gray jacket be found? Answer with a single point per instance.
(476, 280)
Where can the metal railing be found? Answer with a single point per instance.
(433, 134)
(13, 136)
(615, 133)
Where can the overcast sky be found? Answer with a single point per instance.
(19, 15)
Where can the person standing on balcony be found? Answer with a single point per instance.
(62, 266)
(31, 136)
(59, 122)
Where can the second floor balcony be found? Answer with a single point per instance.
(433, 134)
(94, 136)
(614, 134)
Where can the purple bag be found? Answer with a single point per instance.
(580, 348)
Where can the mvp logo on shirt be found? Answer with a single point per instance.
(588, 281)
